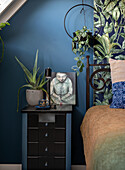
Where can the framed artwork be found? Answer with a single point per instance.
(63, 88)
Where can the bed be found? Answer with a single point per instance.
(103, 133)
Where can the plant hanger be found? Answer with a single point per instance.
(82, 10)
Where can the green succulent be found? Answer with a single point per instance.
(31, 78)
(2, 25)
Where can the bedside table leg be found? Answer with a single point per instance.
(68, 141)
(24, 141)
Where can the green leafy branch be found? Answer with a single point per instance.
(81, 42)
(2, 25)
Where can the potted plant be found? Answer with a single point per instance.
(2, 25)
(35, 84)
(81, 42)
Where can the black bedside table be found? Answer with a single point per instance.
(47, 138)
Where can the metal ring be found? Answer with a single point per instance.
(77, 6)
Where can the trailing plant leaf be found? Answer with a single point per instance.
(2, 25)
(77, 58)
(2, 55)
(75, 68)
(81, 43)
(81, 67)
(79, 63)
(77, 73)
(82, 57)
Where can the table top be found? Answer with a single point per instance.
(62, 109)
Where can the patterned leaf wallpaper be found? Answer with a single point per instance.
(110, 23)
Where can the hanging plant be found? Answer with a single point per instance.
(82, 41)
(2, 25)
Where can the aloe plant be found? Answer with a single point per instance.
(31, 78)
(2, 25)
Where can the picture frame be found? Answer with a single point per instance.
(63, 88)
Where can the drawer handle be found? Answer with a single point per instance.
(46, 124)
(46, 164)
(46, 134)
(46, 149)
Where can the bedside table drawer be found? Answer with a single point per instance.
(46, 135)
(56, 135)
(43, 163)
(52, 149)
(59, 149)
(33, 163)
(60, 121)
(47, 125)
(33, 135)
(60, 135)
(32, 121)
(46, 163)
(46, 149)
(33, 149)
(60, 163)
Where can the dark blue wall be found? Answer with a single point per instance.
(38, 25)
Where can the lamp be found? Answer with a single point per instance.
(48, 73)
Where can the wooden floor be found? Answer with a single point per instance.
(10, 167)
(78, 167)
(19, 167)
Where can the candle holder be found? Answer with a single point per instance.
(48, 74)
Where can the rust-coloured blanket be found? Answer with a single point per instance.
(103, 132)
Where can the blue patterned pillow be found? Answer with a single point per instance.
(118, 83)
(118, 100)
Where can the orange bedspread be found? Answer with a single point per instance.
(103, 132)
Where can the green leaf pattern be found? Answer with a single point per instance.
(111, 41)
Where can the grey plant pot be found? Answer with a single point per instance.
(33, 96)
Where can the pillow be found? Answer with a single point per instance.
(118, 83)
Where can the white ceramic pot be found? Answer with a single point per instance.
(33, 96)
